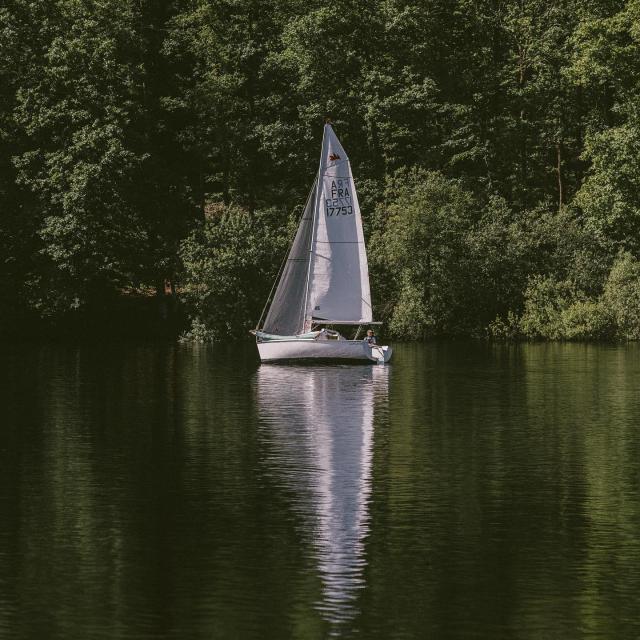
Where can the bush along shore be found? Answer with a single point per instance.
(154, 159)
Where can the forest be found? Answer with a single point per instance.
(155, 157)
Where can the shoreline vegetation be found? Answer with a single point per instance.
(155, 157)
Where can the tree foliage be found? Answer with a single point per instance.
(495, 147)
(229, 261)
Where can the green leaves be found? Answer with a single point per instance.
(621, 296)
(610, 195)
(230, 262)
(559, 310)
(420, 249)
(506, 134)
(605, 54)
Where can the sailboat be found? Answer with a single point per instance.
(324, 281)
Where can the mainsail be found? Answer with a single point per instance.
(326, 277)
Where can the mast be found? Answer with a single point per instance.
(313, 235)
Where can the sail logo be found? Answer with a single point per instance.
(333, 157)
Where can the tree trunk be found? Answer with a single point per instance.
(559, 170)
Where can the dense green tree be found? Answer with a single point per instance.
(610, 196)
(233, 101)
(605, 48)
(621, 296)
(24, 30)
(558, 310)
(421, 243)
(495, 147)
(606, 66)
(230, 261)
(94, 154)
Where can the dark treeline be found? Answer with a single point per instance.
(149, 148)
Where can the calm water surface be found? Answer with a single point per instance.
(464, 491)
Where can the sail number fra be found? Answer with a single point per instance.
(338, 197)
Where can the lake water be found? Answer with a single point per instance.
(463, 491)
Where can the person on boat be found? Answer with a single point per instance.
(370, 338)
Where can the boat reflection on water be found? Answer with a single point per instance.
(319, 421)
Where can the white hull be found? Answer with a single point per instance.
(323, 349)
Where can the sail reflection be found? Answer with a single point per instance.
(319, 421)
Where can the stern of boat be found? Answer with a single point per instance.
(380, 353)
